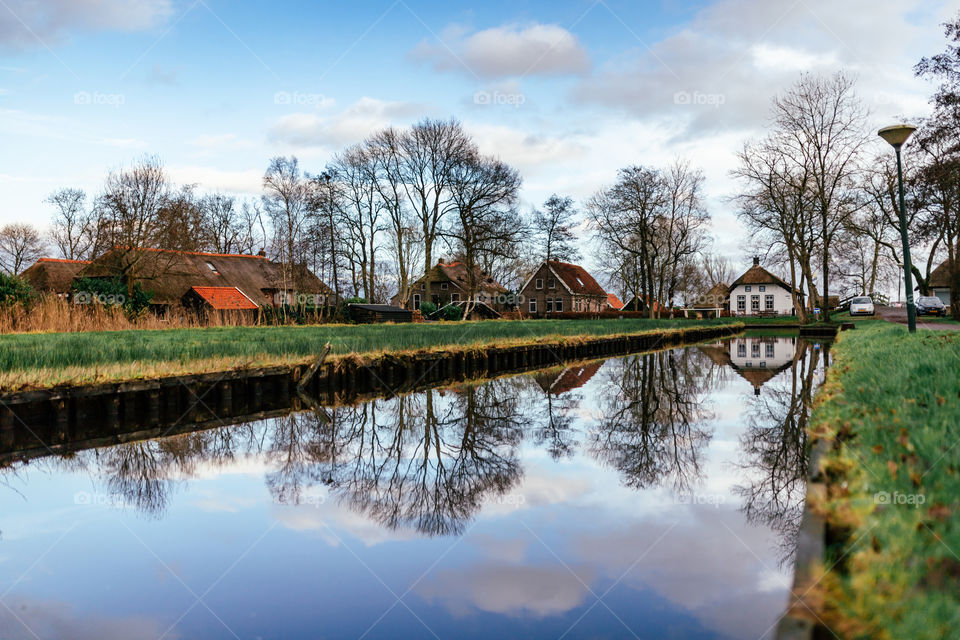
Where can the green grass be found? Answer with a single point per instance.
(891, 403)
(42, 359)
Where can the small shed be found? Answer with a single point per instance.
(373, 313)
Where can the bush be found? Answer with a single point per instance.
(426, 308)
(356, 300)
(452, 312)
(14, 289)
(110, 291)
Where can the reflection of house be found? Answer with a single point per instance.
(760, 358)
(54, 275)
(557, 286)
(450, 282)
(759, 292)
(211, 281)
(558, 381)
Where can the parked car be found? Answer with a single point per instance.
(862, 306)
(930, 306)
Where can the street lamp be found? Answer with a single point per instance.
(896, 136)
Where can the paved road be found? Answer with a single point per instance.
(893, 314)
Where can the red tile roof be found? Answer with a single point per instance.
(226, 298)
(614, 301)
(577, 279)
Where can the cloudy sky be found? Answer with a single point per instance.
(566, 91)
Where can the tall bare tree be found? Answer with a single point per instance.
(287, 201)
(553, 228)
(73, 228)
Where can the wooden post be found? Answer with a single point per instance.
(312, 371)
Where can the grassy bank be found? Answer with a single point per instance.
(46, 359)
(891, 408)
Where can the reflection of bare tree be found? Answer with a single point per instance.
(651, 430)
(774, 448)
(430, 466)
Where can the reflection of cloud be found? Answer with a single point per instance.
(500, 548)
(321, 518)
(709, 563)
(536, 591)
(55, 620)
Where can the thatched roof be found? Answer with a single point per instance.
(940, 277)
(559, 381)
(169, 275)
(458, 275)
(720, 290)
(758, 275)
(53, 275)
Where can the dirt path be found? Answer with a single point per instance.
(893, 314)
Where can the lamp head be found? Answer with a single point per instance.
(897, 134)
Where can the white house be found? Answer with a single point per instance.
(758, 359)
(940, 282)
(759, 292)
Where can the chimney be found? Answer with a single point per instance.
(756, 261)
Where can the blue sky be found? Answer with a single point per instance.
(566, 91)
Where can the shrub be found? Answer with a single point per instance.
(452, 312)
(14, 289)
(112, 292)
(426, 308)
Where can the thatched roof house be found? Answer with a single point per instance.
(450, 283)
(223, 281)
(53, 275)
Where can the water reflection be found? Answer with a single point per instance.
(637, 434)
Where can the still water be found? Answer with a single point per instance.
(649, 496)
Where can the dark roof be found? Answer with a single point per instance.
(225, 298)
(719, 289)
(567, 379)
(53, 275)
(940, 277)
(458, 274)
(169, 275)
(576, 278)
(758, 275)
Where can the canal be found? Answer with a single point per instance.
(652, 496)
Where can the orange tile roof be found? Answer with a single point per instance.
(225, 298)
(63, 260)
(614, 301)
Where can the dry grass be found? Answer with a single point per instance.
(52, 314)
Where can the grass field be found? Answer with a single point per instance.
(892, 402)
(45, 359)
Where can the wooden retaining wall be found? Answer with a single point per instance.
(60, 420)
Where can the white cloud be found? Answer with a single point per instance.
(29, 23)
(247, 181)
(350, 126)
(506, 51)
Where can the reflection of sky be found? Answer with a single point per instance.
(224, 558)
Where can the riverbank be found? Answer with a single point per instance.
(42, 360)
(888, 423)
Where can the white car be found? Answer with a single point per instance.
(862, 306)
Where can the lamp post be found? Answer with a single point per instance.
(896, 136)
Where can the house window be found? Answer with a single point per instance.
(754, 303)
(549, 305)
(539, 283)
(416, 301)
(770, 350)
(423, 286)
(741, 303)
(444, 286)
(533, 305)
(742, 350)
(763, 365)
(768, 302)
(755, 350)
(551, 283)
(558, 305)
(213, 268)
(763, 288)
(455, 297)
(747, 288)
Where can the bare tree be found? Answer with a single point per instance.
(431, 151)
(73, 230)
(227, 229)
(20, 246)
(385, 152)
(553, 229)
(356, 172)
(287, 201)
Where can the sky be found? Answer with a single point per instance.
(566, 91)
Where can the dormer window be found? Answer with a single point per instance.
(213, 268)
(444, 286)
(539, 283)
(551, 284)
